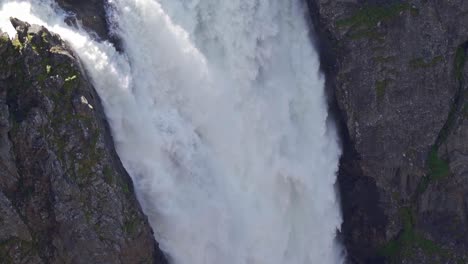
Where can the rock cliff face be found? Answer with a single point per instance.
(396, 75)
(89, 13)
(64, 195)
(92, 15)
(396, 71)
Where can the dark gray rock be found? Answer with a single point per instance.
(397, 77)
(91, 14)
(64, 195)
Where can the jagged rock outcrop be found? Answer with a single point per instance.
(397, 73)
(91, 14)
(64, 195)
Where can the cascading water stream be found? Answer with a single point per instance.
(218, 113)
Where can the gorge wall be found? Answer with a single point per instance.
(395, 70)
(396, 79)
(64, 195)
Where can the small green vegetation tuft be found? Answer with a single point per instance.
(16, 43)
(125, 188)
(465, 110)
(30, 37)
(131, 226)
(70, 85)
(438, 168)
(408, 239)
(71, 78)
(44, 37)
(364, 22)
(48, 69)
(368, 34)
(370, 16)
(380, 87)
(108, 177)
(421, 63)
(460, 58)
(4, 38)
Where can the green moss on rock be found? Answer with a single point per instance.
(367, 34)
(408, 240)
(108, 175)
(131, 226)
(380, 87)
(370, 16)
(460, 58)
(4, 38)
(421, 63)
(438, 168)
(17, 44)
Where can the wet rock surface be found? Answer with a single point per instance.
(396, 71)
(92, 15)
(64, 195)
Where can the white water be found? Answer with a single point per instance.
(219, 116)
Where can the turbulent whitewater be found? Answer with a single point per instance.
(218, 112)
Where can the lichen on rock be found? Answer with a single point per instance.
(403, 126)
(64, 195)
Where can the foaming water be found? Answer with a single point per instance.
(218, 113)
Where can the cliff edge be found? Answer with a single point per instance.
(64, 195)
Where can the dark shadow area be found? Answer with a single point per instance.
(358, 194)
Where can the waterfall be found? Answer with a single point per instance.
(218, 113)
